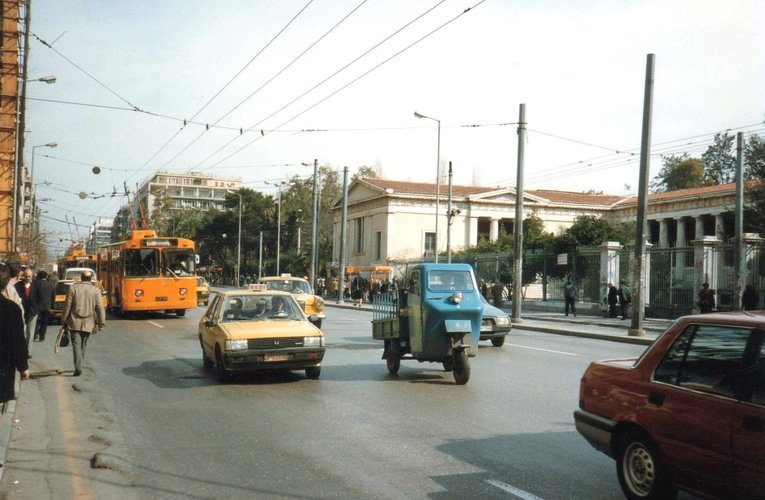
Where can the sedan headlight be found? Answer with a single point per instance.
(319, 302)
(313, 341)
(236, 345)
(502, 320)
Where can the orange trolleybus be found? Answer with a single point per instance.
(147, 272)
(78, 257)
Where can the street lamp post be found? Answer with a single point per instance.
(278, 220)
(239, 238)
(438, 174)
(32, 202)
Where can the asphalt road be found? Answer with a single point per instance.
(147, 421)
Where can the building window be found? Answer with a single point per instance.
(430, 244)
(358, 242)
(378, 245)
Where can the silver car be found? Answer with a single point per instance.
(495, 324)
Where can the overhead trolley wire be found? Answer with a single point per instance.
(322, 82)
(377, 66)
(238, 73)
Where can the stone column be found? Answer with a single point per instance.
(699, 227)
(609, 264)
(473, 231)
(705, 265)
(681, 240)
(663, 234)
(494, 230)
(719, 228)
(634, 281)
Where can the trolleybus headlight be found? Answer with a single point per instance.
(313, 341)
(236, 345)
(182, 291)
(457, 297)
(139, 293)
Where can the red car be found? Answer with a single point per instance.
(688, 414)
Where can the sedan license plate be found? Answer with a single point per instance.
(275, 357)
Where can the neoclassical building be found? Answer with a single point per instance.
(394, 220)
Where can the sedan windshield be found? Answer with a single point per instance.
(259, 307)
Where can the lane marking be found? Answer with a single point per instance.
(155, 324)
(545, 350)
(512, 490)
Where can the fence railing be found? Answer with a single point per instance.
(670, 282)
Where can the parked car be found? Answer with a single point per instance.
(495, 324)
(312, 305)
(688, 414)
(253, 330)
(203, 291)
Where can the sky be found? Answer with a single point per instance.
(255, 88)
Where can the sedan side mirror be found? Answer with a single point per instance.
(209, 323)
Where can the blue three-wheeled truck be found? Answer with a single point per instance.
(435, 317)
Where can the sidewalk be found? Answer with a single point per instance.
(595, 327)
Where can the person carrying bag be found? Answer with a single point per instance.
(83, 314)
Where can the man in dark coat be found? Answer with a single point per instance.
(13, 346)
(46, 296)
(706, 301)
(26, 287)
(613, 298)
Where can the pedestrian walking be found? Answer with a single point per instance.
(750, 299)
(613, 299)
(83, 314)
(484, 290)
(9, 292)
(496, 293)
(569, 296)
(46, 296)
(706, 299)
(13, 346)
(26, 287)
(625, 297)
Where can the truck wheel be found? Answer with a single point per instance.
(461, 370)
(641, 473)
(498, 341)
(392, 359)
(448, 364)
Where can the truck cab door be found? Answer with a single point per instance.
(415, 313)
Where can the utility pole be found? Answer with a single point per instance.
(315, 223)
(449, 217)
(638, 261)
(518, 229)
(343, 229)
(260, 257)
(738, 249)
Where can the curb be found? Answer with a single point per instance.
(626, 339)
(7, 414)
(644, 340)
